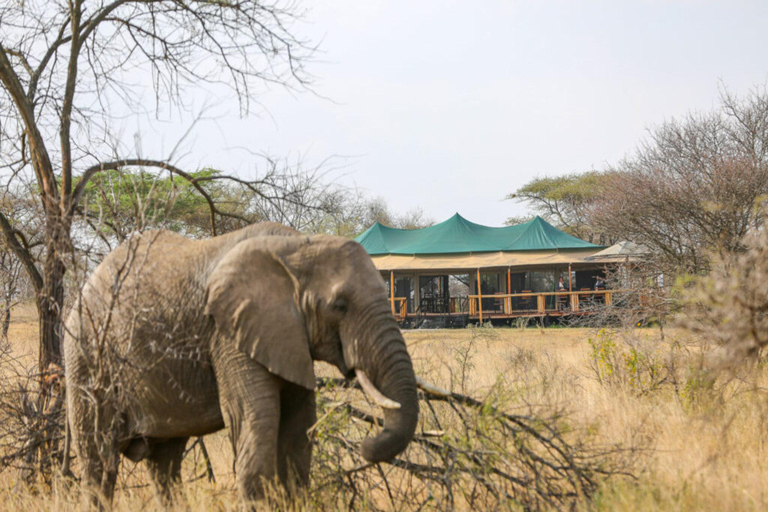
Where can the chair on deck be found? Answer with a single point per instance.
(599, 297)
(527, 303)
(498, 303)
(586, 297)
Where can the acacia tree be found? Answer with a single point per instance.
(116, 203)
(70, 70)
(566, 201)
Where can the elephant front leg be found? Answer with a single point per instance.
(250, 402)
(297, 415)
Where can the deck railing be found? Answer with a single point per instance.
(537, 302)
(517, 304)
(399, 307)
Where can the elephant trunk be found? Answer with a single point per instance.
(390, 369)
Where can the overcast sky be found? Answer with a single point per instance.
(449, 105)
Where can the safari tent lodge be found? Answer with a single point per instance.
(457, 271)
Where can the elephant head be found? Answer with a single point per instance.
(287, 301)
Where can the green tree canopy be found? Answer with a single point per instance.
(565, 201)
(125, 200)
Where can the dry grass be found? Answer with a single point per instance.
(705, 454)
(22, 333)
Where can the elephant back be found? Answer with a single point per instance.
(156, 281)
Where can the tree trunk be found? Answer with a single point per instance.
(6, 320)
(50, 308)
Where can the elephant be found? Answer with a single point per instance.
(173, 337)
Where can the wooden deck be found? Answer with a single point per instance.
(515, 305)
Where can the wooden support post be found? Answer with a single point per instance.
(508, 300)
(574, 302)
(570, 284)
(392, 290)
(480, 296)
(608, 298)
(416, 292)
(541, 304)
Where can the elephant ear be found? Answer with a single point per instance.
(252, 296)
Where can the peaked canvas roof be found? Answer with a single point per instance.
(458, 235)
(625, 249)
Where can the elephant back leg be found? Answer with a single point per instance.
(98, 453)
(250, 403)
(297, 415)
(164, 463)
(95, 429)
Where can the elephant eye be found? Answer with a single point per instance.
(340, 305)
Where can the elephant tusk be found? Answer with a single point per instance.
(431, 388)
(373, 393)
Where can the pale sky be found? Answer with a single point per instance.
(449, 105)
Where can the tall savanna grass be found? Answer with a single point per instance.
(671, 436)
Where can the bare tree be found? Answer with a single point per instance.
(71, 69)
(11, 275)
(695, 186)
(307, 201)
(14, 283)
(366, 211)
(347, 212)
(413, 219)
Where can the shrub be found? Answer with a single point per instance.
(630, 362)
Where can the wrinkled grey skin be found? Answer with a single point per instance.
(223, 332)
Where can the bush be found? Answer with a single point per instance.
(635, 364)
(729, 307)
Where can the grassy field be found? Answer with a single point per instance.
(696, 446)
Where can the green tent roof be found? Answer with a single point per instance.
(458, 235)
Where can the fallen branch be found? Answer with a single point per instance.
(480, 454)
